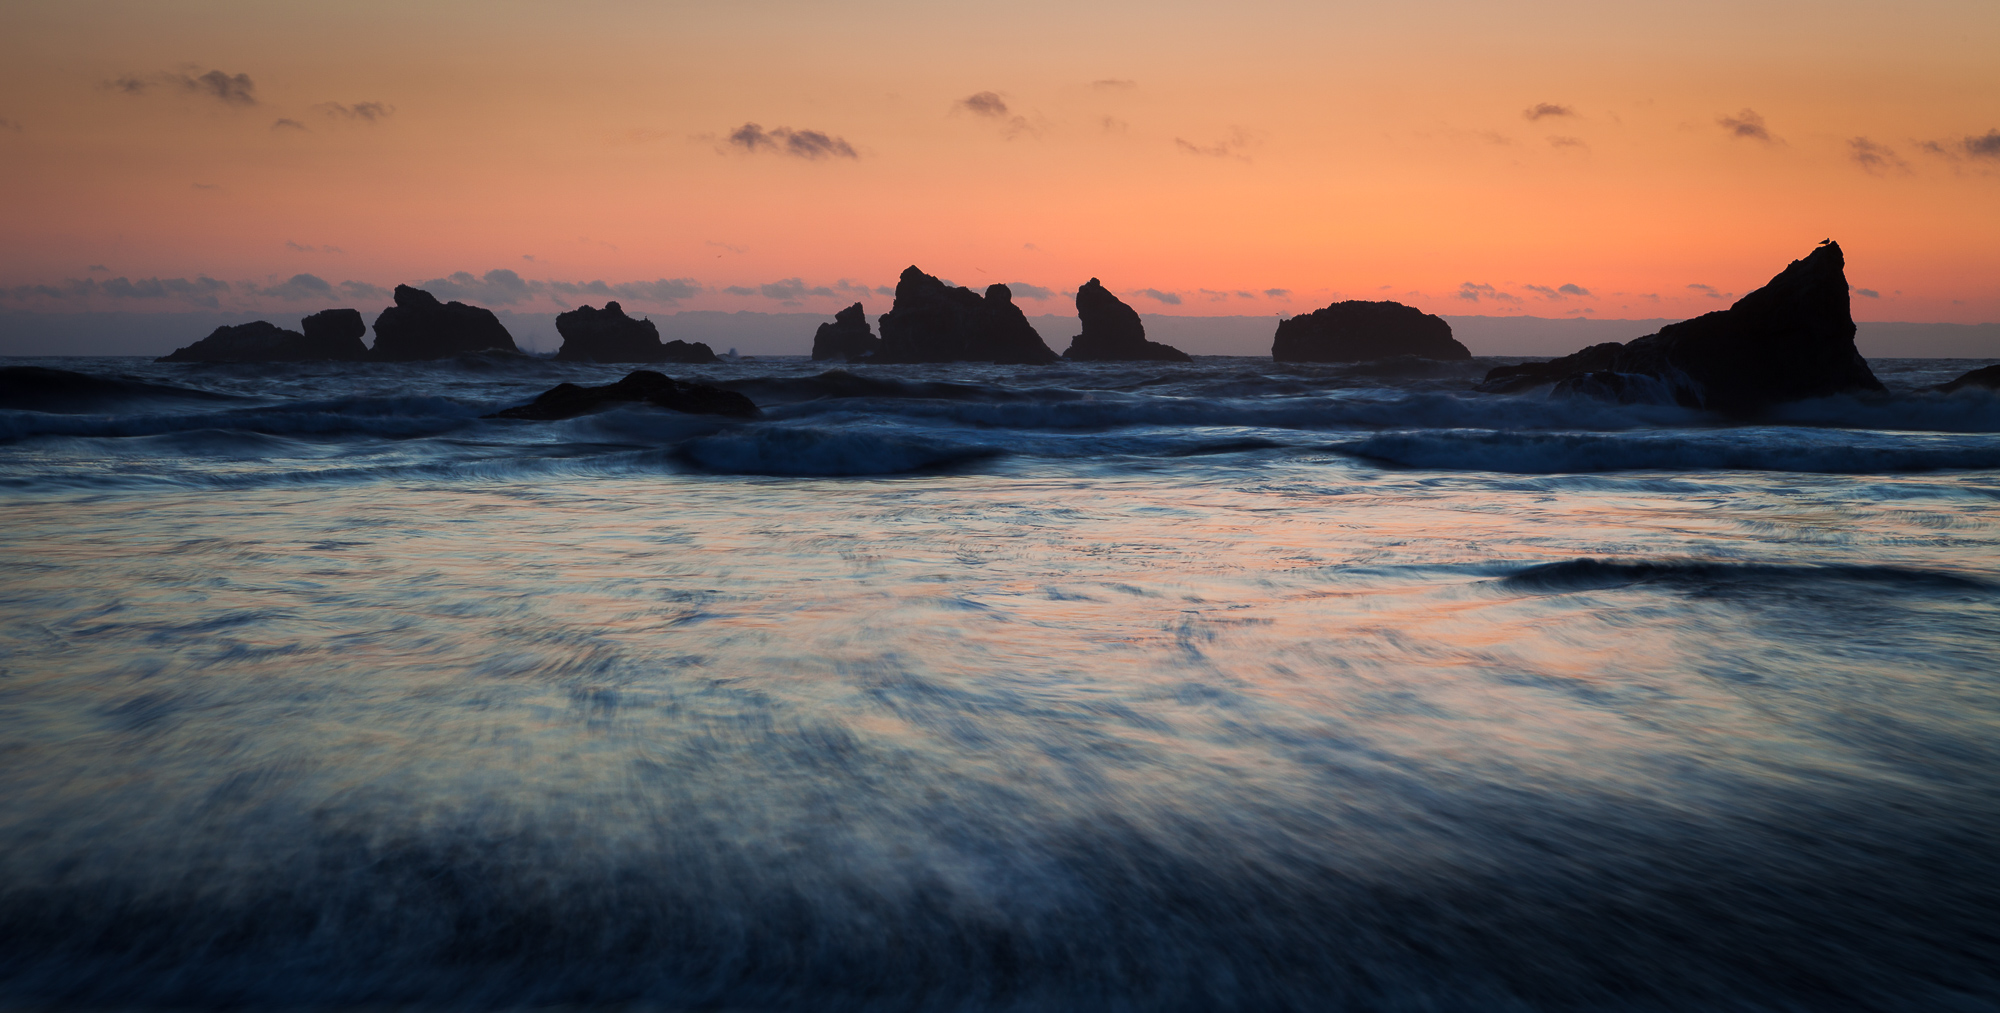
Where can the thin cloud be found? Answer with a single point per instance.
(200, 291)
(98, 267)
(367, 112)
(1869, 292)
(363, 291)
(229, 89)
(1746, 124)
(206, 186)
(308, 248)
(784, 290)
(1170, 298)
(1212, 295)
(1473, 293)
(1278, 293)
(1231, 146)
(1023, 290)
(1573, 289)
(297, 288)
(1240, 294)
(500, 287)
(284, 124)
(984, 103)
(1114, 83)
(806, 144)
(1986, 145)
(1876, 159)
(1707, 290)
(7, 124)
(1541, 109)
(660, 290)
(1568, 142)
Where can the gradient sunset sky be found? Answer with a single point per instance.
(1620, 160)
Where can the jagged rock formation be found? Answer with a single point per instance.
(329, 335)
(419, 327)
(641, 385)
(1358, 330)
(847, 338)
(1113, 332)
(1791, 339)
(608, 335)
(1987, 377)
(1509, 379)
(932, 322)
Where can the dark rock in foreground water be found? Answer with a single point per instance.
(933, 322)
(419, 327)
(1987, 377)
(608, 335)
(329, 335)
(1358, 330)
(848, 337)
(642, 385)
(1113, 332)
(1791, 339)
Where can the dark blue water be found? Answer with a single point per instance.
(1214, 686)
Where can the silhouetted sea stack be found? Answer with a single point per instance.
(1113, 332)
(608, 335)
(933, 322)
(1987, 377)
(1357, 331)
(329, 335)
(1791, 339)
(419, 327)
(641, 385)
(847, 338)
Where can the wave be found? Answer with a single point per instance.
(1587, 574)
(816, 452)
(60, 391)
(1758, 449)
(389, 417)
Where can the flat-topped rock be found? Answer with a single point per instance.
(641, 385)
(420, 327)
(847, 338)
(935, 322)
(328, 336)
(1113, 332)
(1358, 330)
(608, 335)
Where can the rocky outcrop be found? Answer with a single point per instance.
(847, 338)
(1113, 332)
(934, 322)
(419, 327)
(1357, 331)
(1791, 339)
(608, 335)
(329, 335)
(1987, 377)
(641, 385)
(1510, 379)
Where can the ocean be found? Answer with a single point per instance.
(1228, 685)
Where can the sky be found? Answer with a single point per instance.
(1628, 160)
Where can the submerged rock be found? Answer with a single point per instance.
(934, 322)
(1113, 332)
(1358, 330)
(1987, 377)
(329, 335)
(642, 385)
(608, 335)
(1791, 339)
(419, 327)
(848, 337)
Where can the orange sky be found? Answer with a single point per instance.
(1207, 153)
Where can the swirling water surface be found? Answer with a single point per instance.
(1222, 686)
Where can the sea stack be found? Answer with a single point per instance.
(1987, 377)
(1113, 332)
(934, 322)
(642, 386)
(608, 335)
(1358, 330)
(847, 338)
(1791, 339)
(330, 335)
(420, 327)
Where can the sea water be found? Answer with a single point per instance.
(1223, 685)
